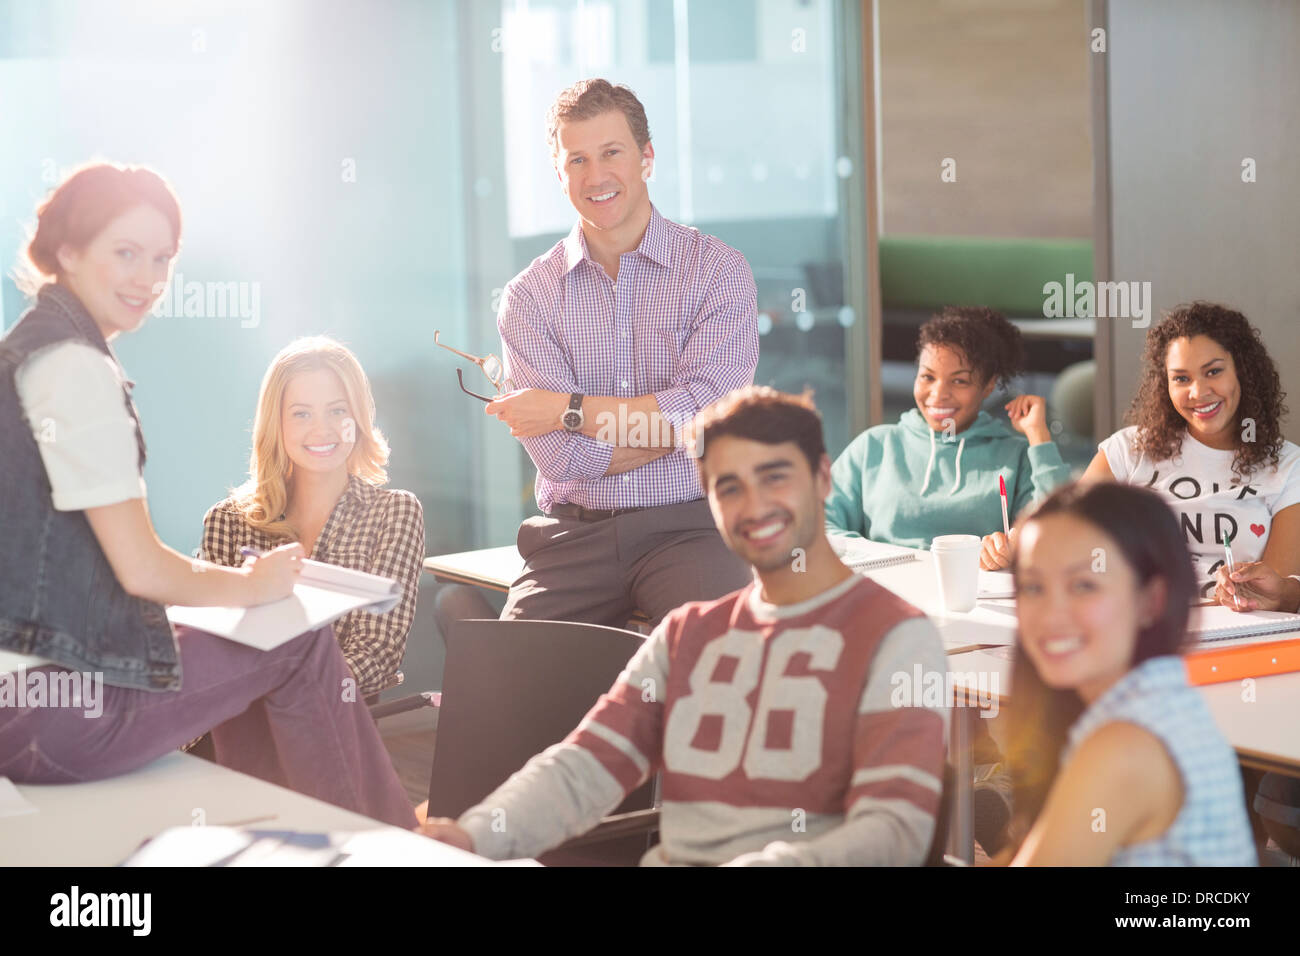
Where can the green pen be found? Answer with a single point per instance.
(1227, 550)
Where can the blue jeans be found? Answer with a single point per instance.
(279, 715)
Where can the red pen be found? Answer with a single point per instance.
(1002, 491)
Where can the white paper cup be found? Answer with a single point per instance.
(957, 562)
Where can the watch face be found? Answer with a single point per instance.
(572, 419)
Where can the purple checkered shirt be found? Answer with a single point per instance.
(681, 322)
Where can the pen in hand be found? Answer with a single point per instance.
(1227, 551)
(1002, 493)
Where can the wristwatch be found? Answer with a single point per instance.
(572, 418)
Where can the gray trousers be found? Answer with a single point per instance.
(599, 572)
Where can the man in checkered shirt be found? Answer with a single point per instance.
(613, 340)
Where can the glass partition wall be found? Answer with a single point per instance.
(755, 114)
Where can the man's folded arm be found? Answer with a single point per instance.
(533, 359)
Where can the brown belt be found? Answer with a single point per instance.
(579, 513)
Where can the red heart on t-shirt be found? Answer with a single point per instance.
(1258, 529)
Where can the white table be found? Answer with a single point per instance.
(915, 582)
(492, 568)
(102, 823)
(1265, 731)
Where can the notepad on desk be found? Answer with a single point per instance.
(323, 594)
(1214, 625)
(996, 585)
(863, 555)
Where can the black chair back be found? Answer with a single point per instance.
(510, 690)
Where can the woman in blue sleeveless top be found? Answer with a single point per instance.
(1115, 759)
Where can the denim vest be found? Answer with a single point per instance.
(59, 597)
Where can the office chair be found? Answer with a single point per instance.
(452, 602)
(510, 690)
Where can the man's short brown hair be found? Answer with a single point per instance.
(589, 98)
(762, 414)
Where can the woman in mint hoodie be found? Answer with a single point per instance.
(936, 471)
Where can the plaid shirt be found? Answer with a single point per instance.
(371, 529)
(680, 322)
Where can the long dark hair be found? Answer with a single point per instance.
(1143, 526)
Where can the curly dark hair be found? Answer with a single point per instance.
(1160, 427)
(992, 345)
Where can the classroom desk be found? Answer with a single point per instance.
(491, 568)
(993, 622)
(495, 569)
(102, 823)
(1262, 731)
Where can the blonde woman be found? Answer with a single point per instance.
(316, 476)
(84, 578)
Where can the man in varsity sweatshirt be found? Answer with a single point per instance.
(781, 716)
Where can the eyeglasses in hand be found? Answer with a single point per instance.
(491, 366)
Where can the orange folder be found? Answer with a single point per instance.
(1214, 665)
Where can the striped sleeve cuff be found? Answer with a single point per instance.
(677, 405)
(591, 458)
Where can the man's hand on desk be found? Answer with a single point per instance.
(529, 411)
(447, 830)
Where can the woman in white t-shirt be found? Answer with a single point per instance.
(1206, 435)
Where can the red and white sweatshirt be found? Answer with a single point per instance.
(776, 732)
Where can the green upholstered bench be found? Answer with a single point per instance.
(920, 274)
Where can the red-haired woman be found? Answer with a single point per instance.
(83, 576)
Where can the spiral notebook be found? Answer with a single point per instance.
(863, 555)
(1217, 626)
(323, 594)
